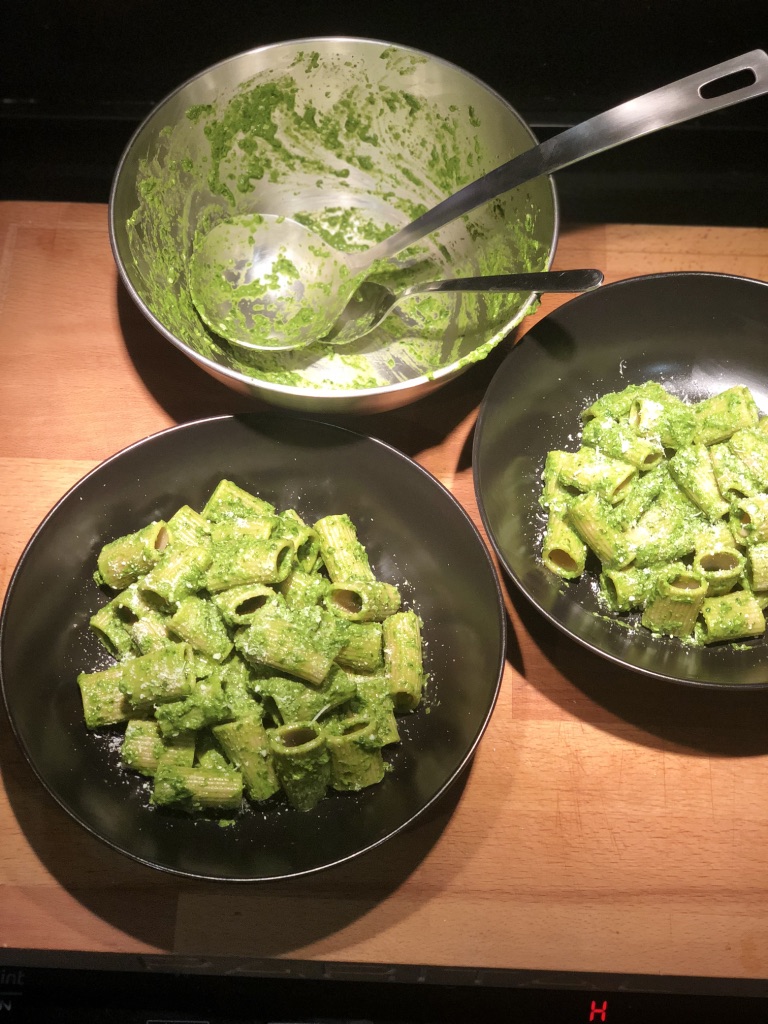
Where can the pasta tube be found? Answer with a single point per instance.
(301, 762)
(757, 565)
(355, 755)
(149, 633)
(748, 520)
(232, 530)
(204, 705)
(626, 589)
(589, 517)
(209, 754)
(733, 478)
(124, 560)
(589, 470)
(188, 528)
(362, 650)
(111, 629)
(363, 600)
(236, 680)
(375, 702)
(403, 660)
(306, 543)
(180, 572)
(197, 789)
(199, 623)
(717, 558)
(146, 625)
(677, 598)
(104, 703)
(563, 551)
(344, 556)
(666, 531)
(617, 404)
(691, 467)
(246, 559)
(643, 491)
(144, 747)
(555, 495)
(304, 589)
(246, 744)
(732, 616)
(664, 415)
(620, 441)
(229, 502)
(238, 605)
(718, 417)
(164, 675)
(301, 644)
(751, 447)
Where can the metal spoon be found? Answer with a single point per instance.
(277, 285)
(373, 302)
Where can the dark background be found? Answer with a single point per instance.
(77, 77)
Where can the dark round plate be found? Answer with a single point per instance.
(417, 536)
(697, 334)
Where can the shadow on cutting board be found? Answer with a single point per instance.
(715, 722)
(171, 914)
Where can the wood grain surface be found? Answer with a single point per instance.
(608, 823)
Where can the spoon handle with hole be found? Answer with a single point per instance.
(713, 89)
(543, 281)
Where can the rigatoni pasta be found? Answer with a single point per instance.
(256, 655)
(668, 502)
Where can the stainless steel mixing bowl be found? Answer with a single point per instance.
(356, 137)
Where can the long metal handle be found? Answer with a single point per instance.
(661, 108)
(544, 281)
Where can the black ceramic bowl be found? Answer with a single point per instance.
(697, 334)
(445, 573)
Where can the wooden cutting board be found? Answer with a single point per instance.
(608, 823)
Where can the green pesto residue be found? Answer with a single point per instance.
(320, 157)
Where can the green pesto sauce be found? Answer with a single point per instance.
(681, 524)
(320, 157)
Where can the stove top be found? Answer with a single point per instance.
(348, 995)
